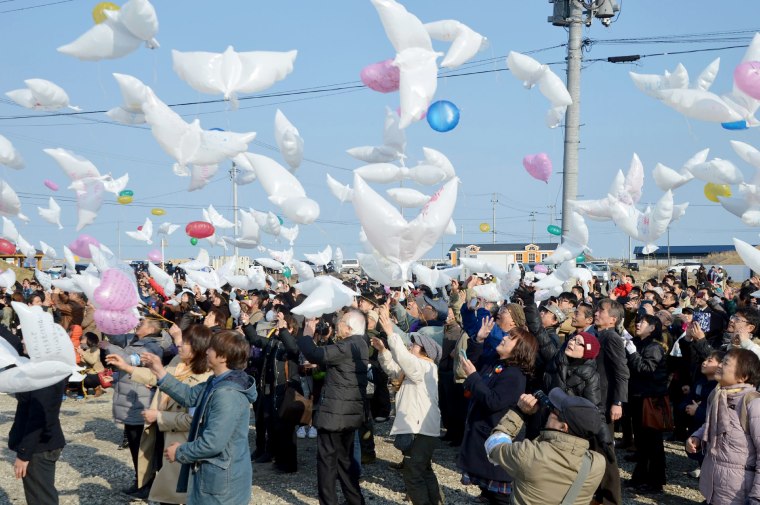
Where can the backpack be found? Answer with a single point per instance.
(743, 405)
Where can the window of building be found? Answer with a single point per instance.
(543, 256)
(519, 257)
(532, 258)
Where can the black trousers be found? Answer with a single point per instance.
(283, 445)
(453, 406)
(264, 425)
(39, 483)
(133, 432)
(381, 400)
(650, 452)
(334, 450)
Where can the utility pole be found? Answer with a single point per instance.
(233, 177)
(570, 13)
(461, 228)
(494, 201)
(668, 247)
(533, 227)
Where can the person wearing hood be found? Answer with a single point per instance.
(216, 450)
(558, 466)
(418, 418)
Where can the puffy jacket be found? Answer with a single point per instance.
(217, 446)
(649, 369)
(495, 389)
(575, 376)
(129, 397)
(278, 351)
(544, 469)
(417, 399)
(341, 404)
(729, 473)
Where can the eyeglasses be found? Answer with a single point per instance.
(738, 319)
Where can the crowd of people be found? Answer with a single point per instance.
(531, 392)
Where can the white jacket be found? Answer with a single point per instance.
(417, 400)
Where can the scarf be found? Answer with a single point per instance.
(718, 399)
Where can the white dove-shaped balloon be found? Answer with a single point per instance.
(465, 42)
(325, 294)
(121, 33)
(144, 234)
(44, 278)
(40, 94)
(531, 72)
(270, 263)
(382, 270)
(285, 257)
(408, 197)
(25, 248)
(162, 278)
(10, 204)
(304, 270)
(284, 190)
(415, 59)
(206, 280)
(9, 156)
(394, 143)
(342, 192)
(133, 93)
(574, 242)
(289, 233)
(288, 140)
(9, 230)
(666, 178)
(199, 263)
(167, 228)
(321, 258)
(187, 143)
(211, 215)
(52, 214)
(231, 72)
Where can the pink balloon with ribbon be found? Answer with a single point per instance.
(81, 246)
(115, 322)
(116, 291)
(539, 166)
(381, 76)
(50, 184)
(747, 78)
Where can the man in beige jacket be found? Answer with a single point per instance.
(546, 470)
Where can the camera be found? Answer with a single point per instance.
(544, 400)
(322, 328)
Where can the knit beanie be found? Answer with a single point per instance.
(591, 345)
(518, 314)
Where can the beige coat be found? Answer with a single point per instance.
(174, 421)
(91, 359)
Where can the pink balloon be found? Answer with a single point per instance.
(540, 269)
(154, 256)
(381, 76)
(115, 322)
(747, 78)
(539, 166)
(116, 291)
(50, 184)
(81, 246)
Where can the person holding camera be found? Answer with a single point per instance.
(558, 466)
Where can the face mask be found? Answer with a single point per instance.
(270, 316)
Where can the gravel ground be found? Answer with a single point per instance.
(92, 470)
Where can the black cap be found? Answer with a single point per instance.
(582, 417)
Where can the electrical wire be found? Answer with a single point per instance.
(35, 6)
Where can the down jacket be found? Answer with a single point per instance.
(341, 404)
(729, 473)
(649, 369)
(129, 397)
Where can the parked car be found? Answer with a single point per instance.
(633, 266)
(600, 270)
(690, 266)
(350, 267)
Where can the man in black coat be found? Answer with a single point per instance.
(339, 412)
(37, 439)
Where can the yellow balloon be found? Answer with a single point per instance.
(713, 191)
(76, 258)
(124, 199)
(485, 227)
(158, 212)
(97, 13)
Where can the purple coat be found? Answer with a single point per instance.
(729, 472)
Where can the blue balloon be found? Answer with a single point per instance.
(443, 116)
(735, 125)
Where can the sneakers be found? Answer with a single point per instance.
(301, 432)
(694, 474)
(312, 432)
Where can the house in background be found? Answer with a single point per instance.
(679, 254)
(502, 254)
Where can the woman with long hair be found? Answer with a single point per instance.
(166, 420)
(494, 384)
(648, 384)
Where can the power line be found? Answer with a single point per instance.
(34, 6)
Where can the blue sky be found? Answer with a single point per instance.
(500, 121)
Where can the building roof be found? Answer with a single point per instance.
(544, 246)
(685, 250)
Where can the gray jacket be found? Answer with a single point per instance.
(131, 398)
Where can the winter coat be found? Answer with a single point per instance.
(129, 397)
(341, 403)
(36, 426)
(495, 388)
(612, 365)
(649, 369)
(544, 469)
(217, 446)
(91, 360)
(173, 421)
(278, 351)
(576, 377)
(417, 409)
(729, 475)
